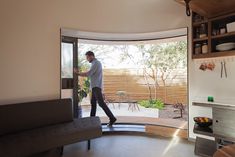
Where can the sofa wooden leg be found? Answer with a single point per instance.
(89, 144)
(61, 151)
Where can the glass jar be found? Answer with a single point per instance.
(204, 48)
(198, 49)
(197, 35)
(203, 30)
(222, 30)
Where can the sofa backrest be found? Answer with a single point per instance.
(25, 116)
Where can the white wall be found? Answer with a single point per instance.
(30, 37)
(204, 84)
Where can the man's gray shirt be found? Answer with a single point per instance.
(96, 74)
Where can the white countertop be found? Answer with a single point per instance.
(212, 104)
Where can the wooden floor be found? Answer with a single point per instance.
(156, 126)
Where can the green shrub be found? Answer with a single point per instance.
(152, 104)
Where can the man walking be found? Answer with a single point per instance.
(96, 77)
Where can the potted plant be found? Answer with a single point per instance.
(84, 89)
(152, 106)
(83, 92)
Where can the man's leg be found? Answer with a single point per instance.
(99, 98)
(93, 104)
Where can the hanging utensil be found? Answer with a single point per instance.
(225, 69)
(222, 69)
(188, 12)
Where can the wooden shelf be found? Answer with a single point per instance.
(200, 39)
(214, 54)
(203, 130)
(223, 35)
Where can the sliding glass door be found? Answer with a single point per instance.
(69, 80)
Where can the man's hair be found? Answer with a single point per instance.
(90, 53)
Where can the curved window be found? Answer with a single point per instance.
(144, 81)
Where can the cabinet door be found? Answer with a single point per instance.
(224, 122)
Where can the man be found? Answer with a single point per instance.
(96, 77)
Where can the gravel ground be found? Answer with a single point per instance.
(168, 112)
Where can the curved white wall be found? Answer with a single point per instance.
(30, 37)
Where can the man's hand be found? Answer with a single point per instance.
(82, 74)
(76, 70)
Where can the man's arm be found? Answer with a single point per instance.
(82, 74)
(92, 70)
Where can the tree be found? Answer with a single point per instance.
(158, 61)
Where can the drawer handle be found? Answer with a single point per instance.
(216, 121)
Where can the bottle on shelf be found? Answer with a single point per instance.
(197, 35)
(203, 31)
(204, 48)
(222, 29)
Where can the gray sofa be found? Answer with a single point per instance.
(44, 127)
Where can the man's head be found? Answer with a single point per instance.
(90, 56)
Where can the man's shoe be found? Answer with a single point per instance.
(111, 122)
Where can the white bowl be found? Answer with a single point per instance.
(225, 47)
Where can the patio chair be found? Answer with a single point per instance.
(132, 104)
(122, 97)
(108, 101)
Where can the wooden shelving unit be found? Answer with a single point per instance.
(212, 25)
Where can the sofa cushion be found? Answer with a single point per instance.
(24, 116)
(39, 140)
